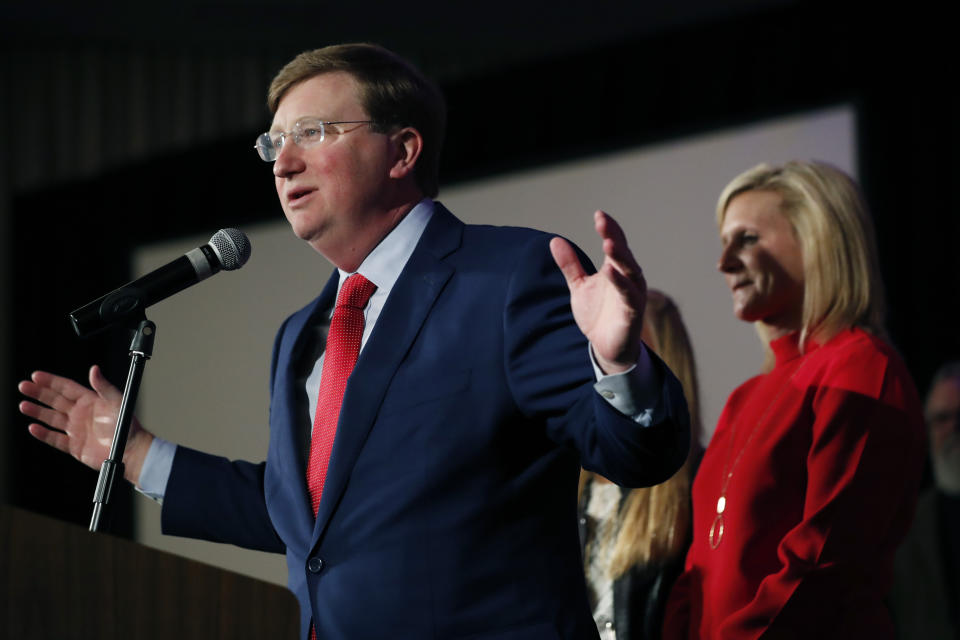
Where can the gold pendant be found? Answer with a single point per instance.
(716, 531)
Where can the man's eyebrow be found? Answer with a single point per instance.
(275, 127)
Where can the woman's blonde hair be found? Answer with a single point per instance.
(653, 523)
(842, 285)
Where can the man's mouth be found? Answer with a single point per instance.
(297, 194)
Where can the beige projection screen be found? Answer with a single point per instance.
(206, 386)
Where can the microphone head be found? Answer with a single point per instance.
(232, 247)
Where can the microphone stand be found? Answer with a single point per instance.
(141, 348)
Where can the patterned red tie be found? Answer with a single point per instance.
(343, 347)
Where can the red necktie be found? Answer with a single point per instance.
(343, 347)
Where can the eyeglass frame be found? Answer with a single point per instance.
(298, 137)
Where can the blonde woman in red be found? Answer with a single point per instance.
(810, 480)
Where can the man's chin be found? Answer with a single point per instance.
(307, 230)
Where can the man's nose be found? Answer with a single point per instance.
(289, 160)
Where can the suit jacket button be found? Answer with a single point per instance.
(315, 565)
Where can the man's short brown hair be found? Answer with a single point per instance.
(392, 91)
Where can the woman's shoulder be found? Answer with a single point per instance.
(860, 362)
(856, 345)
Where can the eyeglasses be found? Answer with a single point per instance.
(306, 132)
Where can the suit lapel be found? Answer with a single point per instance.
(289, 418)
(403, 315)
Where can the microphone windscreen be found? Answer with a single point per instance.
(232, 247)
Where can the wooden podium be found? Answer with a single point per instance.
(60, 581)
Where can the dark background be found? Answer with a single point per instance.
(524, 85)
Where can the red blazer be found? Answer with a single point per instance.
(826, 452)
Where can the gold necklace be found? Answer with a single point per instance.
(717, 526)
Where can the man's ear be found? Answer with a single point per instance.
(409, 145)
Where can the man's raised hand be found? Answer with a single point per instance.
(608, 305)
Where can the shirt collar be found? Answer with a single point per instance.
(383, 265)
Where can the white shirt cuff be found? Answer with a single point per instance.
(156, 469)
(634, 392)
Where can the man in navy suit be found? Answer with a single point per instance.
(448, 509)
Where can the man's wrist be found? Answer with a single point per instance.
(135, 454)
(610, 368)
(633, 392)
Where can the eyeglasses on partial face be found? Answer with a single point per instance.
(306, 133)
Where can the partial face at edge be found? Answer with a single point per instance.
(942, 414)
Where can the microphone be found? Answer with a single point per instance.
(228, 249)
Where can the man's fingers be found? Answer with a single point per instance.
(103, 387)
(622, 258)
(50, 437)
(44, 394)
(66, 387)
(632, 290)
(607, 227)
(615, 248)
(62, 442)
(48, 416)
(567, 260)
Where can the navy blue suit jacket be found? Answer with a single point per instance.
(449, 509)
